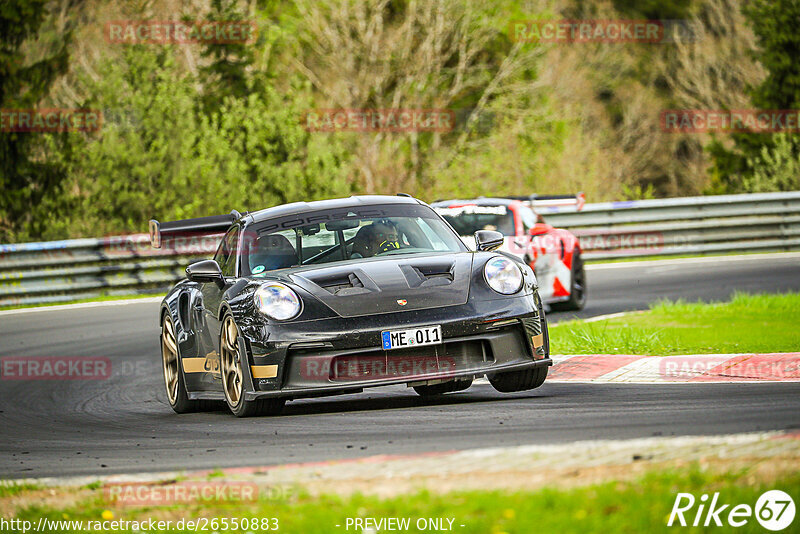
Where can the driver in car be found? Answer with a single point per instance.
(385, 236)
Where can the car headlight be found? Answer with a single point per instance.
(503, 275)
(277, 301)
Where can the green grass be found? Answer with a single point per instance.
(747, 323)
(641, 505)
(9, 488)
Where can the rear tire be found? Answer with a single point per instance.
(577, 286)
(233, 377)
(444, 387)
(526, 379)
(177, 395)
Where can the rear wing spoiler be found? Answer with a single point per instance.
(201, 225)
(553, 201)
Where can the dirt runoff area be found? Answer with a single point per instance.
(764, 457)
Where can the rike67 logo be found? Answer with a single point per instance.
(774, 510)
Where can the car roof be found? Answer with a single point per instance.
(476, 202)
(335, 203)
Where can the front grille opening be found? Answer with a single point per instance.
(412, 362)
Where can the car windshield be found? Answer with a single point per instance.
(345, 236)
(466, 220)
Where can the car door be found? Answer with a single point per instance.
(227, 258)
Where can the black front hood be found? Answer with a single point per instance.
(389, 284)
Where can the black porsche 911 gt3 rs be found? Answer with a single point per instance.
(330, 297)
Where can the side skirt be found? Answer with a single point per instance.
(206, 395)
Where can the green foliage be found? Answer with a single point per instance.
(160, 155)
(752, 161)
(655, 9)
(136, 165)
(28, 178)
(775, 22)
(776, 168)
(637, 192)
(192, 130)
(226, 74)
(255, 152)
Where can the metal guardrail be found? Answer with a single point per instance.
(693, 225)
(59, 271)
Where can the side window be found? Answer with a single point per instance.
(528, 218)
(434, 241)
(226, 253)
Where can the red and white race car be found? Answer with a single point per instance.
(553, 253)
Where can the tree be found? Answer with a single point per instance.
(161, 155)
(383, 54)
(774, 23)
(27, 178)
(777, 168)
(226, 74)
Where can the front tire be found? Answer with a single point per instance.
(233, 377)
(526, 379)
(519, 380)
(444, 387)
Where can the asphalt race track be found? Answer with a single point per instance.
(123, 424)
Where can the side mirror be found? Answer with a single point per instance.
(486, 240)
(204, 272)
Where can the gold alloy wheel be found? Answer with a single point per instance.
(229, 354)
(169, 357)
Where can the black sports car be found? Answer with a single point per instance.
(330, 297)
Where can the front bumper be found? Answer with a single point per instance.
(339, 355)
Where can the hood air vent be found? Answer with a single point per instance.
(428, 275)
(340, 284)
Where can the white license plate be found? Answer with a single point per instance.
(413, 337)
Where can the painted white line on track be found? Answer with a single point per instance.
(685, 261)
(645, 370)
(606, 316)
(81, 305)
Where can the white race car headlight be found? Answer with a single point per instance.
(503, 275)
(277, 301)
